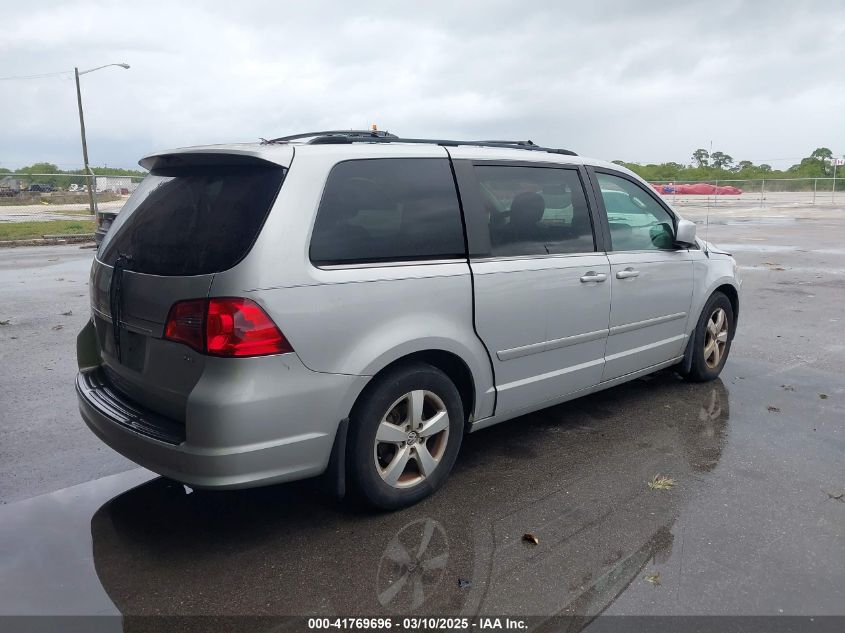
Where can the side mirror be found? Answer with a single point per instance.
(686, 233)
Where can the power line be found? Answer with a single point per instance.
(41, 76)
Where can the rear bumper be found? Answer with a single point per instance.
(228, 441)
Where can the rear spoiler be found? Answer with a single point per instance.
(222, 155)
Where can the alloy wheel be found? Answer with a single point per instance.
(715, 338)
(411, 439)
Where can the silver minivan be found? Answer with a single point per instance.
(351, 303)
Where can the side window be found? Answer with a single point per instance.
(388, 209)
(637, 221)
(535, 210)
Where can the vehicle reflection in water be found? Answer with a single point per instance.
(575, 475)
(412, 565)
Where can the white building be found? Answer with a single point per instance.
(116, 184)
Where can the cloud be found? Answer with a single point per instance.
(646, 83)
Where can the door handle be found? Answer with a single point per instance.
(593, 276)
(627, 273)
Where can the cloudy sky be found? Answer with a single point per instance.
(641, 81)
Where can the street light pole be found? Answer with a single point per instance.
(88, 173)
(90, 180)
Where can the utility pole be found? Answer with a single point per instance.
(91, 203)
(89, 175)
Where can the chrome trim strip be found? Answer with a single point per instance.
(630, 327)
(514, 258)
(101, 314)
(392, 264)
(547, 346)
(482, 423)
(131, 327)
(519, 352)
(549, 375)
(586, 337)
(643, 348)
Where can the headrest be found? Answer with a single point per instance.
(527, 209)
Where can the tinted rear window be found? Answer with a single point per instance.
(193, 220)
(388, 209)
(535, 211)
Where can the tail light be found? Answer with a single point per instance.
(186, 322)
(226, 326)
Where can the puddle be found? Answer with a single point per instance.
(755, 248)
(764, 220)
(134, 544)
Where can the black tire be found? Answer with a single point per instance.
(701, 370)
(377, 402)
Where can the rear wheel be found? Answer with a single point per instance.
(712, 339)
(405, 434)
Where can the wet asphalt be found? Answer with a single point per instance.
(754, 524)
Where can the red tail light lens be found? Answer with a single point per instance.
(239, 327)
(185, 323)
(225, 327)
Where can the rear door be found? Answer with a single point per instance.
(651, 280)
(542, 294)
(181, 226)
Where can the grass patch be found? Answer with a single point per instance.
(35, 230)
(661, 482)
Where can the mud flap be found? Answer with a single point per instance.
(87, 350)
(334, 479)
(686, 364)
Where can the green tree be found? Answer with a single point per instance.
(701, 157)
(821, 154)
(721, 160)
(809, 168)
(42, 168)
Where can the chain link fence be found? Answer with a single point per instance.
(26, 197)
(774, 192)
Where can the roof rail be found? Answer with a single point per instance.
(335, 133)
(373, 136)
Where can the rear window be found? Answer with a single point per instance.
(193, 220)
(388, 209)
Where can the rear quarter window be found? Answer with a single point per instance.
(387, 210)
(193, 220)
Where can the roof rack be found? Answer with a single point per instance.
(377, 136)
(348, 134)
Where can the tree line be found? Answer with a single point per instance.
(703, 165)
(63, 179)
(719, 165)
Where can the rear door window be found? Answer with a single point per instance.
(193, 220)
(388, 210)
(535, 210)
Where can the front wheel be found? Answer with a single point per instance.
(712, 339)
(405, 434)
